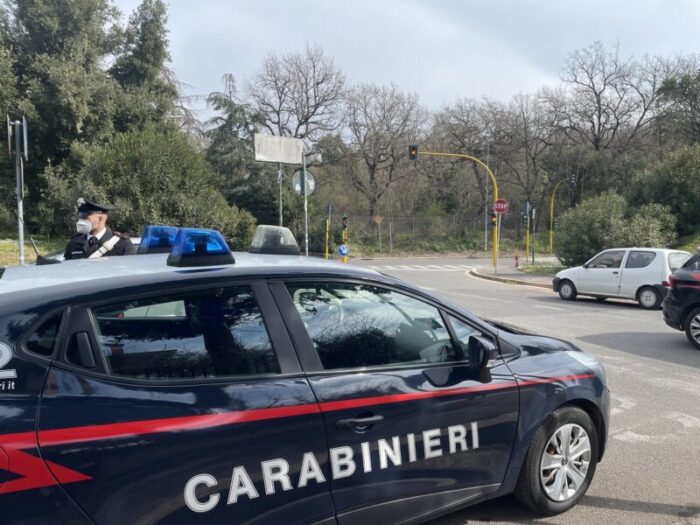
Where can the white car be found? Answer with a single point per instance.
(641, 274)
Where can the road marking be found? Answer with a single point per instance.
(629, 436)
(462, 294)
(548, 307)
(685, 420)
(625, 403)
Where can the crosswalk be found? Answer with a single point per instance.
(422, 267)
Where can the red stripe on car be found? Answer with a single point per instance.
(36, 473)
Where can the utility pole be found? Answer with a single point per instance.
(18, 128)
(486, 205)
(306, 204)
(279, 181)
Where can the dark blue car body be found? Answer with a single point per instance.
(80, 445)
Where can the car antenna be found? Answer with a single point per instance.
(40, 259)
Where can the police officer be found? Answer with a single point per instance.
(94, 239)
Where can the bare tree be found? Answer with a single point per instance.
(299, 94)
(608, 100)
(381, 122)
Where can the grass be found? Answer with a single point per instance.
(689, 243)
(545, 269)
(9, 250)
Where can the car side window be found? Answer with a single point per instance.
(611, 259)
(215, 333)
(357, 326)
(638, 259)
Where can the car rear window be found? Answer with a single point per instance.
(42, 341)
(217, 333)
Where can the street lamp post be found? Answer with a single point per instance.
(493, 181)
(551, 216)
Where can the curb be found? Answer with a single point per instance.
(507, 280)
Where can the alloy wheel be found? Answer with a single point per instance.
(695, 328)
(565, 461)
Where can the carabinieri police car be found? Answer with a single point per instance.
(201, 386)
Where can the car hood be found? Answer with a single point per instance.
(530, 342)
(569, 273)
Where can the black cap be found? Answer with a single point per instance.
(90, 207)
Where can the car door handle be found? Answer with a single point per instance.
(359, 423)
(615, 273)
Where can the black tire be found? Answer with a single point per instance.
(648, 292)
(694, 314)
(567, 290)
(530, 490)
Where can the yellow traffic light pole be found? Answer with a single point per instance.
(493, 181)
(551, 216)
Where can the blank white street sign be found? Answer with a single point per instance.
(269, 148)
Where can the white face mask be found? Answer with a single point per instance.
(83, 226)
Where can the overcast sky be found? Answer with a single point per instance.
(440, 50)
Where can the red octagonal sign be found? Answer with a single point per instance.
(500, 206)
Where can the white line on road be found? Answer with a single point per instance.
(548, 307)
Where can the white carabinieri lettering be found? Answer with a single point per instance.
(202, 491)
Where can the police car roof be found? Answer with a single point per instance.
(18, 278)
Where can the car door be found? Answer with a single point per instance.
(185, 406)
(601, 275)
(411, 425)
(642, 267)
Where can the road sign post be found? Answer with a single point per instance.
(500, 206)
(344, 239)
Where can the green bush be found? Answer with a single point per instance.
(605, 222)
(675, 183)
(150, 177)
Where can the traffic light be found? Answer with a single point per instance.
(523, 216)
(413, 152)
(556, 223)
(494, 218)
(344, 223)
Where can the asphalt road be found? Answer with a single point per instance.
(651, 470)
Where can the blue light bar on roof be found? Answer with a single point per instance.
(198, 247)
(157, 239)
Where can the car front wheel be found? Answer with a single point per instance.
(560, 463)
(692, 327)
(567, 290)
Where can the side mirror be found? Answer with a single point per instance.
(481, 351)
(585, 266)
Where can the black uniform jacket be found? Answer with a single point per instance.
(79, 248)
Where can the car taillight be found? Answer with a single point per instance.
(671, 283)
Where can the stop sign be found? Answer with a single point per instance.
(500, 206)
